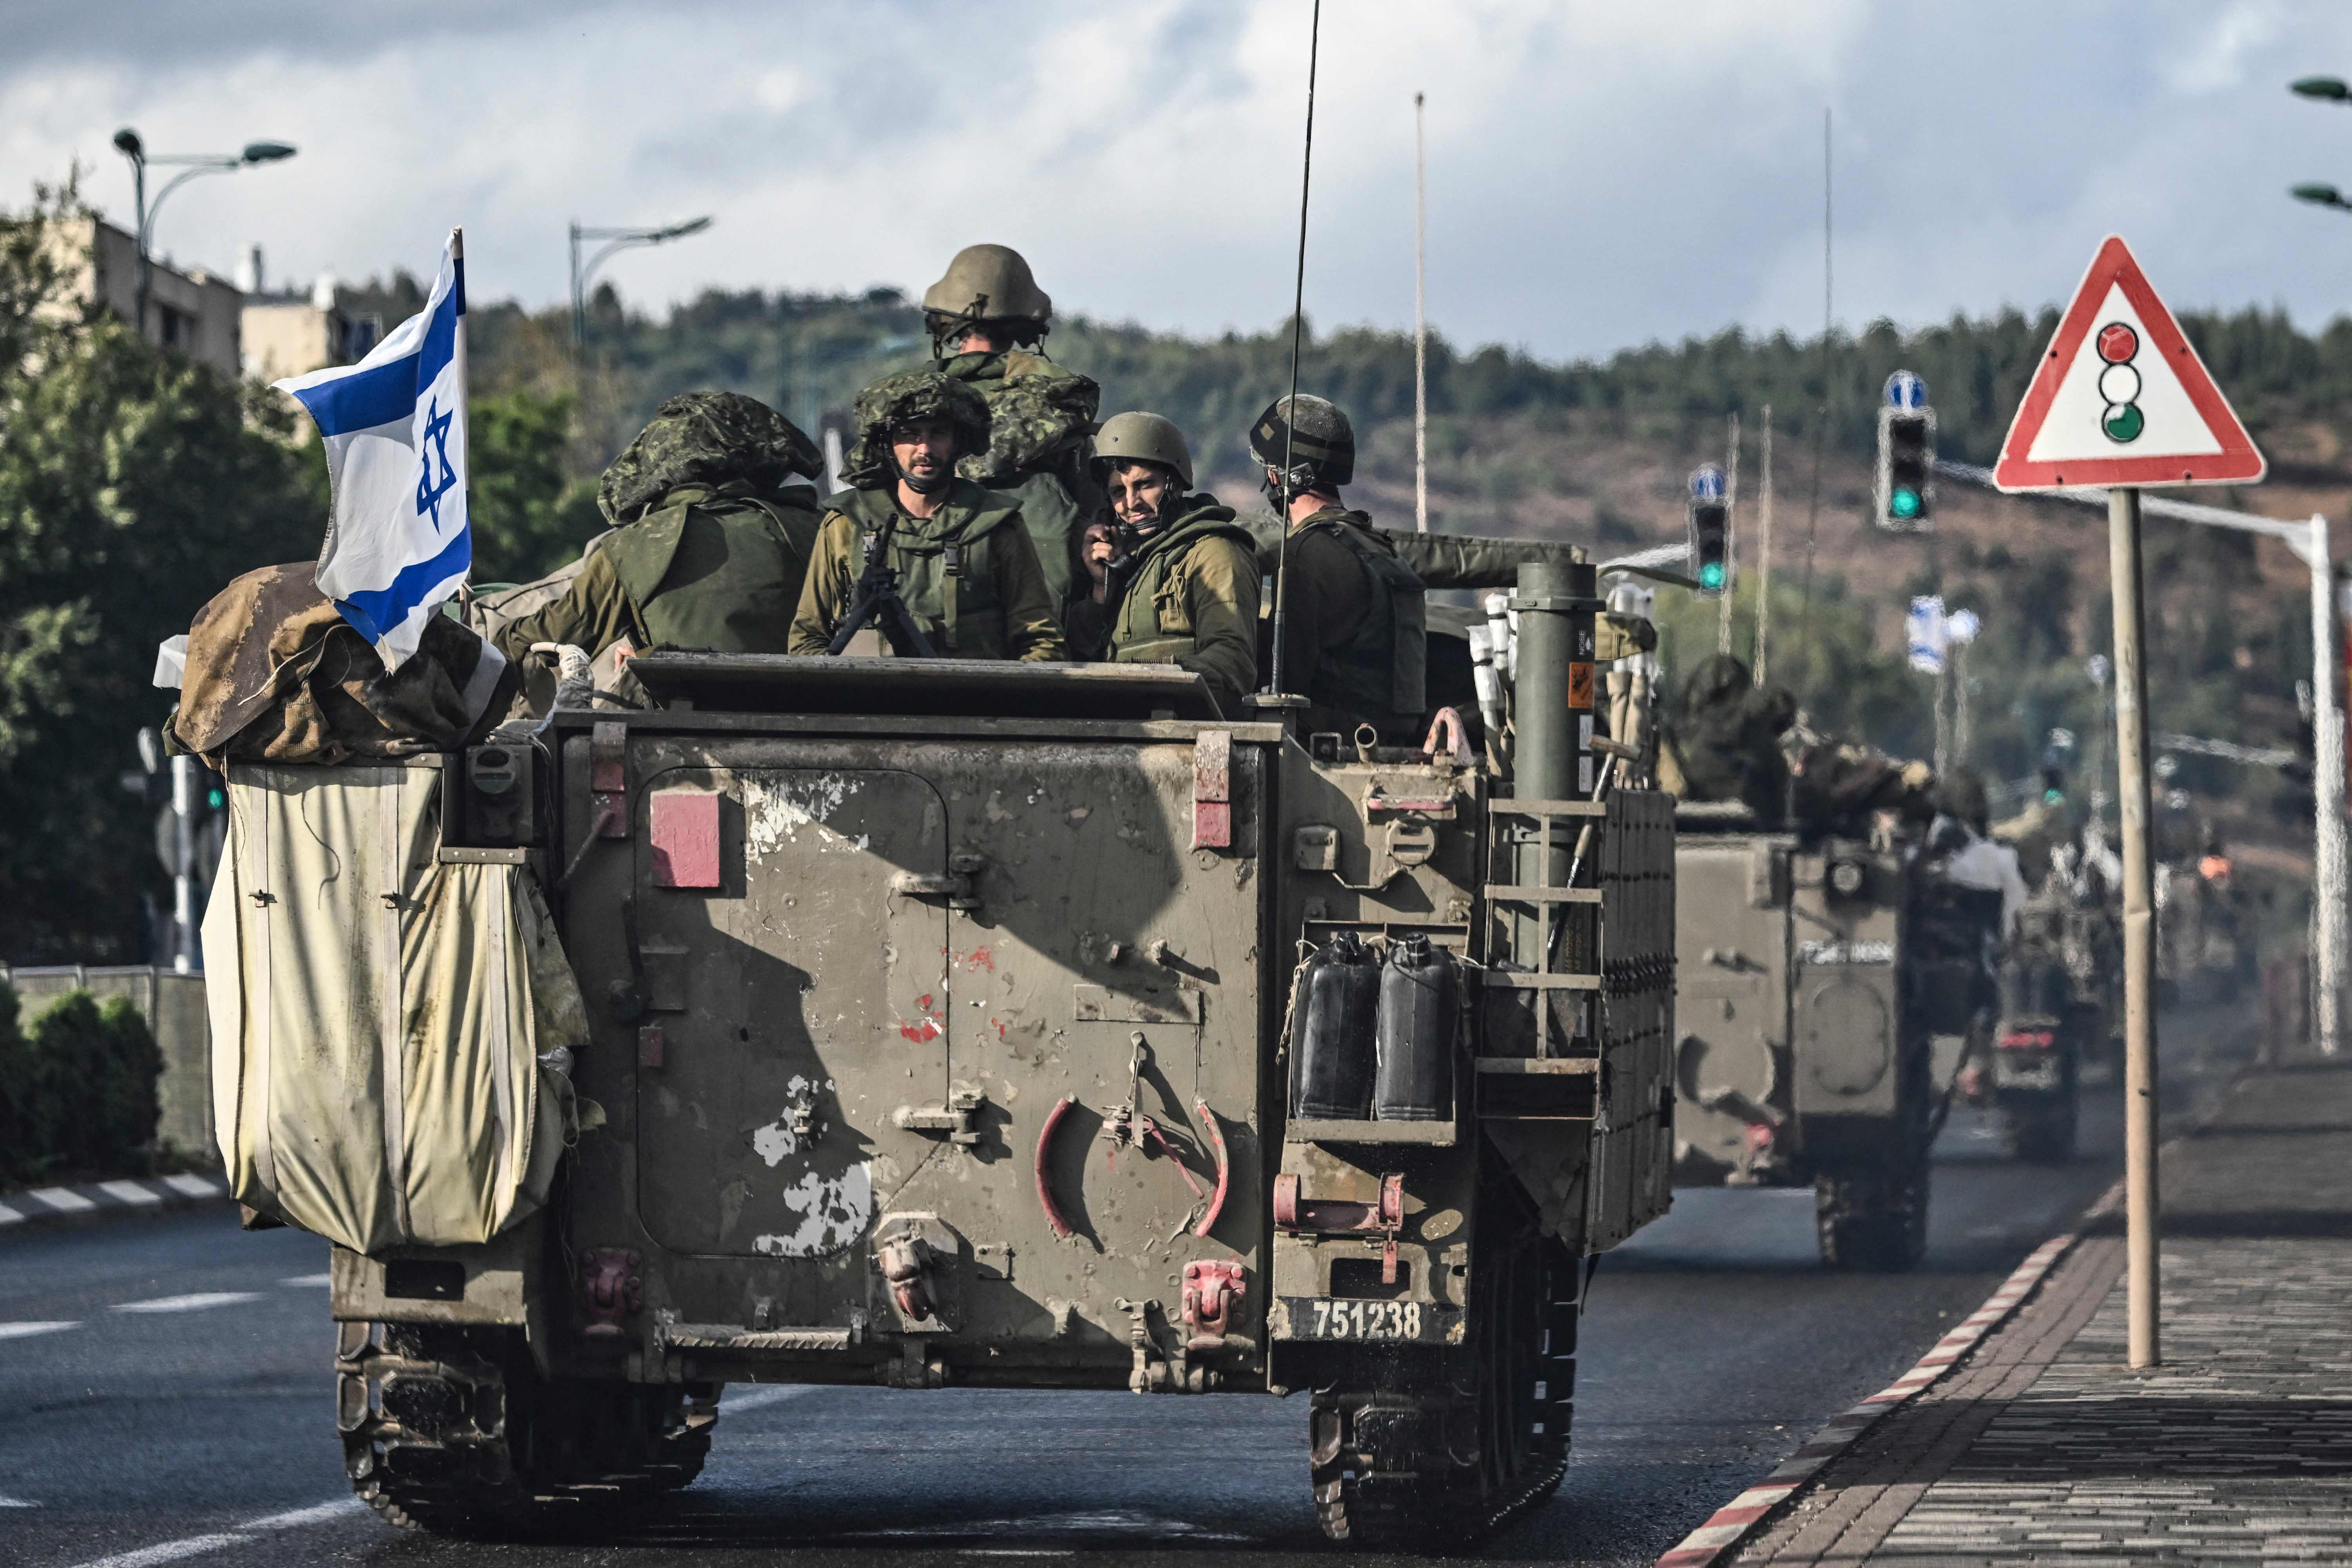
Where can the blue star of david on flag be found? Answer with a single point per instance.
(400, 541)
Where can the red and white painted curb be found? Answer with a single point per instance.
(1731, 1524)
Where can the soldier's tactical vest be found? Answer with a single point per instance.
(1381, 672)
(1152, 625)
(946, 572)
(718, 569)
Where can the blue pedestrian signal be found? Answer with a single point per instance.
(1906, 390)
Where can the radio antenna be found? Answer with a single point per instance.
(1298, 331)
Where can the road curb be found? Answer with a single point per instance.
(39, 1207)
(1735, 1520)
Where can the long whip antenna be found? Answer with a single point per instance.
(1298, 331)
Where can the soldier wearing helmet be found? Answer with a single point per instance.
(1355, 608)
(711, 542)
(1175, 577)
(963, 564)
(987, 319)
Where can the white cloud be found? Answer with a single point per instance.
(1599, 174)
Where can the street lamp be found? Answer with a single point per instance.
(2327, 90)
(127, 142)
(621, 239)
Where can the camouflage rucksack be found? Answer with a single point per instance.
(706, 438)
(1039, 417)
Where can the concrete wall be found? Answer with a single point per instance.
(290, 337)
(174, 1005)
(191, 312)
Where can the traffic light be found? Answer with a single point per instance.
(1906, 456)
(1710, 529)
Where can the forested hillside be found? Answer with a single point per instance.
(1598, 452)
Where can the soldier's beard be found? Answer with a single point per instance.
(928, 484)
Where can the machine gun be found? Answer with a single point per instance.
(878, 605)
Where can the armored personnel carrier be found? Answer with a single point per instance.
(1814, 979)
(1003, 1026)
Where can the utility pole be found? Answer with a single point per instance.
(1420, 327)
(1730, 503)
(2327, 758)
(1764, 556)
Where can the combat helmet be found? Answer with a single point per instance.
(901, 399)
(991, 285)
(706, 438)
(1139, 437)
(1311, 435)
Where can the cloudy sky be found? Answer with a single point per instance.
(1600, 175)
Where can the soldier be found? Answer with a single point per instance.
(1175, 580)
(1355, 606)
(953, 554)
(986, 318)
(711, 543)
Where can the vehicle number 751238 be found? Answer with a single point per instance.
(1364, 1321)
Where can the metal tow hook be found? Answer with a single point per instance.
(906, 1264)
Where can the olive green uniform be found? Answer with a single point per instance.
(1039, 417)
(1191, 600)
(706, 567)
(1357, 637)
(968, 573)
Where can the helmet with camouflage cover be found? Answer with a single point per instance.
(987, 284)
(706, 438)
(1311, 435)
(898, 400)
(1140, 438)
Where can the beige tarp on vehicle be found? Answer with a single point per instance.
(378, 1016)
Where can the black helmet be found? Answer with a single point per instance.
(1311, 437)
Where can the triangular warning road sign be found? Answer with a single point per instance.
(2120, 398)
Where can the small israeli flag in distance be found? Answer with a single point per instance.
(394, 425)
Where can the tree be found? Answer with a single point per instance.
(133, 485)
(528, 517)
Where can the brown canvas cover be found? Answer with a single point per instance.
(276, 674)
(378, 1017)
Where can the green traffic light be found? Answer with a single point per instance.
(216, 799)
(1903, 503)
(1711, 574)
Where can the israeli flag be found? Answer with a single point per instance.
(395, 429)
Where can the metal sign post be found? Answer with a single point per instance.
(2140, 1211)
(2120, 399)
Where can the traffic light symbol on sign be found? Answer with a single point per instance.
(2119, 383)
(1710, 529)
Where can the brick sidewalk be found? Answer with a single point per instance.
(2044, 1447)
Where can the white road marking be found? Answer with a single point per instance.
(194, 1302)
(27, 1330)
(318, 1279)
(196, 1186)
(17, 1502)
(734, 1403)
(65, 1200)
(243, 1535)
(131, 1192)
(166, 1551)
(11, 1217)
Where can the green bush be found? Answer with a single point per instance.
(82, 1092)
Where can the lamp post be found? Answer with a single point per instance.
(2326, 90)
(619, 239)
(128, 143)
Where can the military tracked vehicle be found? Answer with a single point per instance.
(1815, 978)
(1012, 1026)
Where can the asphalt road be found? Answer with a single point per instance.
(165, 1396)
